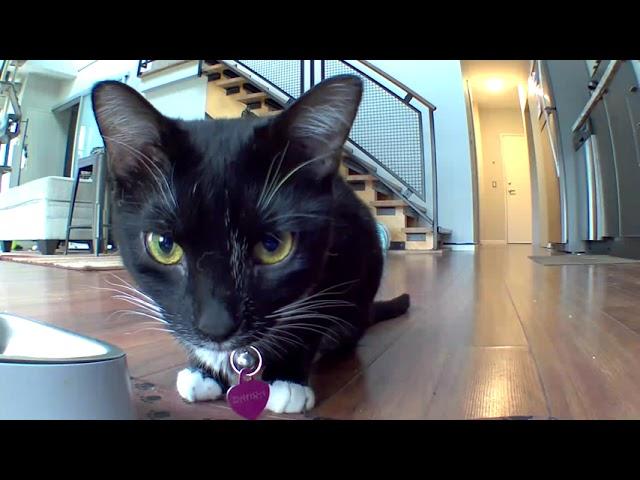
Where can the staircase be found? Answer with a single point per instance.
(236, 90)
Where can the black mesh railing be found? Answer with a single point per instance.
(286, 75)
(390, 130)
(387, 129)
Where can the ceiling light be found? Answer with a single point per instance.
(495, 85)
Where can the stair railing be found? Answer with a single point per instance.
(393, 135)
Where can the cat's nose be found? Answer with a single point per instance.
(215, 321)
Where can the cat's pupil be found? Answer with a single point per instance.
(165, 243)
(270, 243)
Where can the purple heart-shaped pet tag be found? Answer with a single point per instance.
(249, 398)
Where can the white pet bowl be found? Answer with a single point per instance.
(47, 373)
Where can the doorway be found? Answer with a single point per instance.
(515, 161)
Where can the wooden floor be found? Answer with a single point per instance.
(490, 334)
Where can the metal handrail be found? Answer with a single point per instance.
(609, 73)
(410, 95)
(399, 84)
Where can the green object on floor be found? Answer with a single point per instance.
(384, 236)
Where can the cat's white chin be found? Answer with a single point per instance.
(215, 360)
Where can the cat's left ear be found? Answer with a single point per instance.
(320, 121)
(129, 126)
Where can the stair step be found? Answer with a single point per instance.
(270, 102)
(250, 88)
(217, 68)
(251, 97)
(388, 203)
(355, 165)
(360, 178)
(382, 189)
(417, 230)
(230, 73)
(230, 82)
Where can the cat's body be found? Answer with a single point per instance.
(240, 232)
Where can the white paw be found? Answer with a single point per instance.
(194, 387)
(290, 397)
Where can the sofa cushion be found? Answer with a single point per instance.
(47, 188)
(44, 220)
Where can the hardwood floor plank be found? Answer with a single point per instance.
(586, 359)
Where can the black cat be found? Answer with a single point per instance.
(241, 232)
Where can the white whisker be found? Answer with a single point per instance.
(142, 314)
(149, 328)
(288, 176)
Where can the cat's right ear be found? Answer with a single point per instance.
(130, 126)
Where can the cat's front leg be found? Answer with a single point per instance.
(290, 397)
(196, 385)
(289, 391)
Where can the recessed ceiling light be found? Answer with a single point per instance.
(495, 84)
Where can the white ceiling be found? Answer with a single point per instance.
(511, 73)
(80, 64)
(60, 69)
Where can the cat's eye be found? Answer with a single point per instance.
(273, 248)
(163, 249)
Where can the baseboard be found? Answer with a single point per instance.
(493, 242)
(459, 247)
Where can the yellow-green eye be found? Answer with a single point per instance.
(163, 249)
(273, 248)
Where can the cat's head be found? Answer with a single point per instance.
(223, 223)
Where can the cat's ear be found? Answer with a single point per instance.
(128, 123)
(320, 121)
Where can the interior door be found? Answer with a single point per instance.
(518, 187)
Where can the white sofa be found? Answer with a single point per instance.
(38, 211)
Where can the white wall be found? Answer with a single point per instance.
(478, 142)
(185, 99)
(100, 70)
(63, 69)
(441, 82)
(46, 133)
(177, 92)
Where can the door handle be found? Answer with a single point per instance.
(512, 192)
